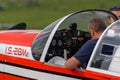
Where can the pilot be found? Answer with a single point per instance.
(115, 10)
(81, 57)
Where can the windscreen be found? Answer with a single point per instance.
(40, 41)
(69, 32)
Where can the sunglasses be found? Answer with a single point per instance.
(114, 8)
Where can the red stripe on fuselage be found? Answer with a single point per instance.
(100, 76)
(1, 57)
(37, 65)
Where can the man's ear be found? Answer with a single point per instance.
(92, 32)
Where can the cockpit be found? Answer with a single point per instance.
(65, 36)
(66, 42)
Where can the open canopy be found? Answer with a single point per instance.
(75, 21)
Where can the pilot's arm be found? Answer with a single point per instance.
(81, 57)
(72, 63)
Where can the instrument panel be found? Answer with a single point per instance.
(66, 42)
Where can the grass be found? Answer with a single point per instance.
(40, 15)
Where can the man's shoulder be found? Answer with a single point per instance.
(92, 40)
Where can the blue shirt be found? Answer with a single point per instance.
(85, 52)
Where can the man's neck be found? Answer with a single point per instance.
(96, 35)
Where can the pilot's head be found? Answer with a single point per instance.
(115, 10)
(96, 27)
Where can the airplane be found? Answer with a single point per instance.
(27, 54)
